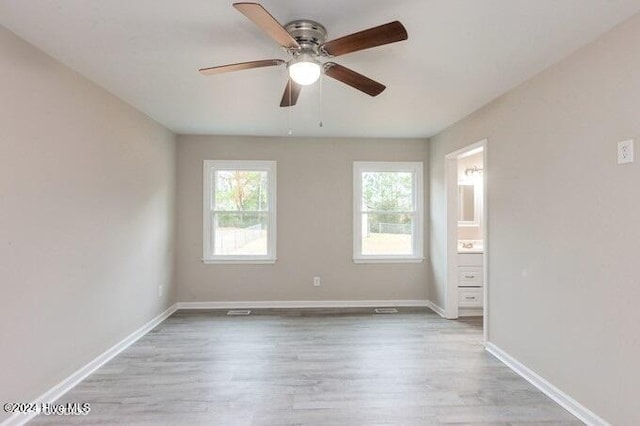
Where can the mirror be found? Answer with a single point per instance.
(468, 211)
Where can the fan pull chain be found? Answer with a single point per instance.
(321, 124)
(290, 83)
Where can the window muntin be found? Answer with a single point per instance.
(387, 211)
(239, 211)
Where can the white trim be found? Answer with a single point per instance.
(485, 239)
(471, 152)
(435, 308)
(303, 304)
(389, 260)
(238, 261)
(416, 169)
(468, 150)
(568, 403)
(68, 383)
(208, 186)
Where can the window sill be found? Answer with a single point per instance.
(238, 261)
(389, 260)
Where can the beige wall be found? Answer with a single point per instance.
(314, 223)
(86, 220)
(564, 222)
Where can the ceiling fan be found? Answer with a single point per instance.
(304, 41)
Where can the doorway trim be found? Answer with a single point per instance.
(451, 203)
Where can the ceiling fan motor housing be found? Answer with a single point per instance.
(309, 35)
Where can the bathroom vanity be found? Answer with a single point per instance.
(470, 282)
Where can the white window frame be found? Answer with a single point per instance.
(210, 168)
(414, 168)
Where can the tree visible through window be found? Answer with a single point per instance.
(239, 210)
(388, 211)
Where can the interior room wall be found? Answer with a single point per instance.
(86, 220)
(315, 223)
(563, 222)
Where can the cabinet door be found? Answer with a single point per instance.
(469, 276)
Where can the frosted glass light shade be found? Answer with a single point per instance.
(305, 72)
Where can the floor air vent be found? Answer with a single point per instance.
(385, 310)
(239, 312)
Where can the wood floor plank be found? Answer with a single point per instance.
(310, 367)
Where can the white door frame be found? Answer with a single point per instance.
(451, 202)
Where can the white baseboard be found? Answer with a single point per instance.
(435, 308)
(65, 385)
(570, 404)
(266, 304)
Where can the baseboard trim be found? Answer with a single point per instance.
(67, 384)
(570, 404)
(435, 308)
(274, 304)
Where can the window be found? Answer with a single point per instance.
(387, 212)
(239, 212)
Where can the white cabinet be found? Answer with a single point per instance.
(469, 297)
(469, 276)
(470, 259)
(470, 283)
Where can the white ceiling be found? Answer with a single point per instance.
(460, 55)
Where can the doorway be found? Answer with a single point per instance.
(467, 288)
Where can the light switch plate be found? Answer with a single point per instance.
(625, 151)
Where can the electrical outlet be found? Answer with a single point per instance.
(160, 290)
(625, 151)
(316, 281)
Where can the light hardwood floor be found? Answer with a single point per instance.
(310, 367)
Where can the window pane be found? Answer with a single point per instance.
(387, 191)
(241, 190)
(240, 233)
(387, 234)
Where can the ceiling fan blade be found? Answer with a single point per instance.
(241, 66)
(353, 79)
(267, 23)
(291, 93)
(376, 36)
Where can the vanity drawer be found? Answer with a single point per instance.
(469, 276)
(470, 297)
(470, 259)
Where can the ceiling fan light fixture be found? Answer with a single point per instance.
(304, 70)
(305, 42)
